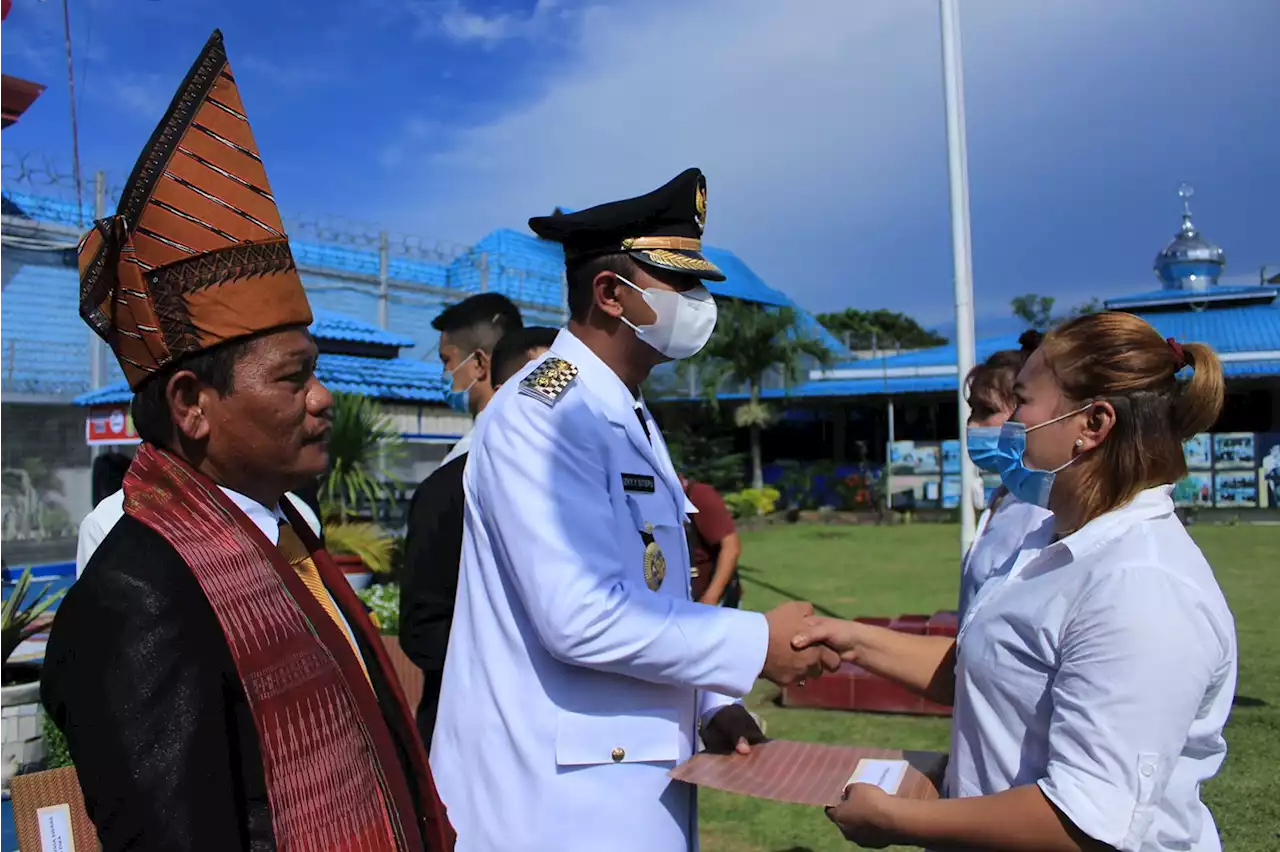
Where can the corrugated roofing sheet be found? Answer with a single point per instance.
(1174, 297)
(399, 379)
(45, 344)
(329, 325)
(1254, 328)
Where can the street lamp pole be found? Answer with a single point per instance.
(961, 246)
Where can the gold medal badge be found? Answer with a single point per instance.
(655, 564)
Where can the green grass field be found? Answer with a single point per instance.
(855, 571)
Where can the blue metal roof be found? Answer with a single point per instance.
(906, 385)
(934, 356)
(1173, 298)
(1254, 328)
(334, 326)
(1244, 330)
(391, 379)
(527, 268)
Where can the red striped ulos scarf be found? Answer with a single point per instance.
(334, 781)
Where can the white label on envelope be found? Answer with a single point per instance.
(55, 829)
(885, 774)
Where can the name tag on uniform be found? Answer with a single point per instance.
(638, 482)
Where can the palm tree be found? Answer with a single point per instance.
(750, 340)
(363, 447)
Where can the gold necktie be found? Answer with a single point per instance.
(292, 548)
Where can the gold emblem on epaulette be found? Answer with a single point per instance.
(700, 207)
(548, 380)
(655, 564)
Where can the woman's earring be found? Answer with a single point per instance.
(1079, 443)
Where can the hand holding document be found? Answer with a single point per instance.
(815, 773)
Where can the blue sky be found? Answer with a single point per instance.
(819, 124)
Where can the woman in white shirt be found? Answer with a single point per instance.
(1004, 523)
(1092, 685)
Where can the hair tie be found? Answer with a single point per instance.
(1177, 353)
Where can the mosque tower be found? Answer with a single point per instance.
(1189, 261)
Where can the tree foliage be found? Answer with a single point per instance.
(879, 329)
(1037, 311)
(750, 341)
(703, 450)
(363, 446)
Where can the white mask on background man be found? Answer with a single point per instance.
(683, 322)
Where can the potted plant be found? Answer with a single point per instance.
(363, 446)
(360, 549)
(20, 694)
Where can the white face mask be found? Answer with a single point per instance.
(683, 321)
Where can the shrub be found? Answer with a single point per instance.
(384, 600)
(751, 502)
(57, 755)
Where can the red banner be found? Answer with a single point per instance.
(110, 426)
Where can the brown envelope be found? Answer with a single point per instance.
(55, 790)
(806, 773)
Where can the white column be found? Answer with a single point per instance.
(961, 245)
(888, 462)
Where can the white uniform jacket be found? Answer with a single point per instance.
(573, 684)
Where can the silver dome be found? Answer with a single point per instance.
(1189, 261)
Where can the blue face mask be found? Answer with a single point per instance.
(459, 400)
(982, 442)
(1025, 483)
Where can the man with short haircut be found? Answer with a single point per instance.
(468, 332)
(217, 681)
(517, 349)
(471, 335)
(588, 673)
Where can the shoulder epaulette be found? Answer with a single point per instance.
(549, 380)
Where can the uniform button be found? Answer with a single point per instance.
(618, 754)
(1146, 771)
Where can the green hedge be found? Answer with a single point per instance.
(55, 744)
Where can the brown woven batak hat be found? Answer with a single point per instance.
(196, 254)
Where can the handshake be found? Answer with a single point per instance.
(801, 645)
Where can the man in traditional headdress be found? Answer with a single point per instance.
(217, 680)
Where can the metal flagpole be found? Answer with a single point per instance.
(961, 246)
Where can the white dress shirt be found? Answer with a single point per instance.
(1102, 668)
(108, 512)
(1001, 532)
(463, 445)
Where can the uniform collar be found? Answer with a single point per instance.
(618, 405)
(605, 384)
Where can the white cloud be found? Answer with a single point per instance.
(769, 103)
(397, 153)
(292, 75)
(141, 96)
(454, 20)
(820, 127)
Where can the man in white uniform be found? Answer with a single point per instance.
(579, 671)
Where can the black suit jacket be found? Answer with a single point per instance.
(433, 550)
(139, 677)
